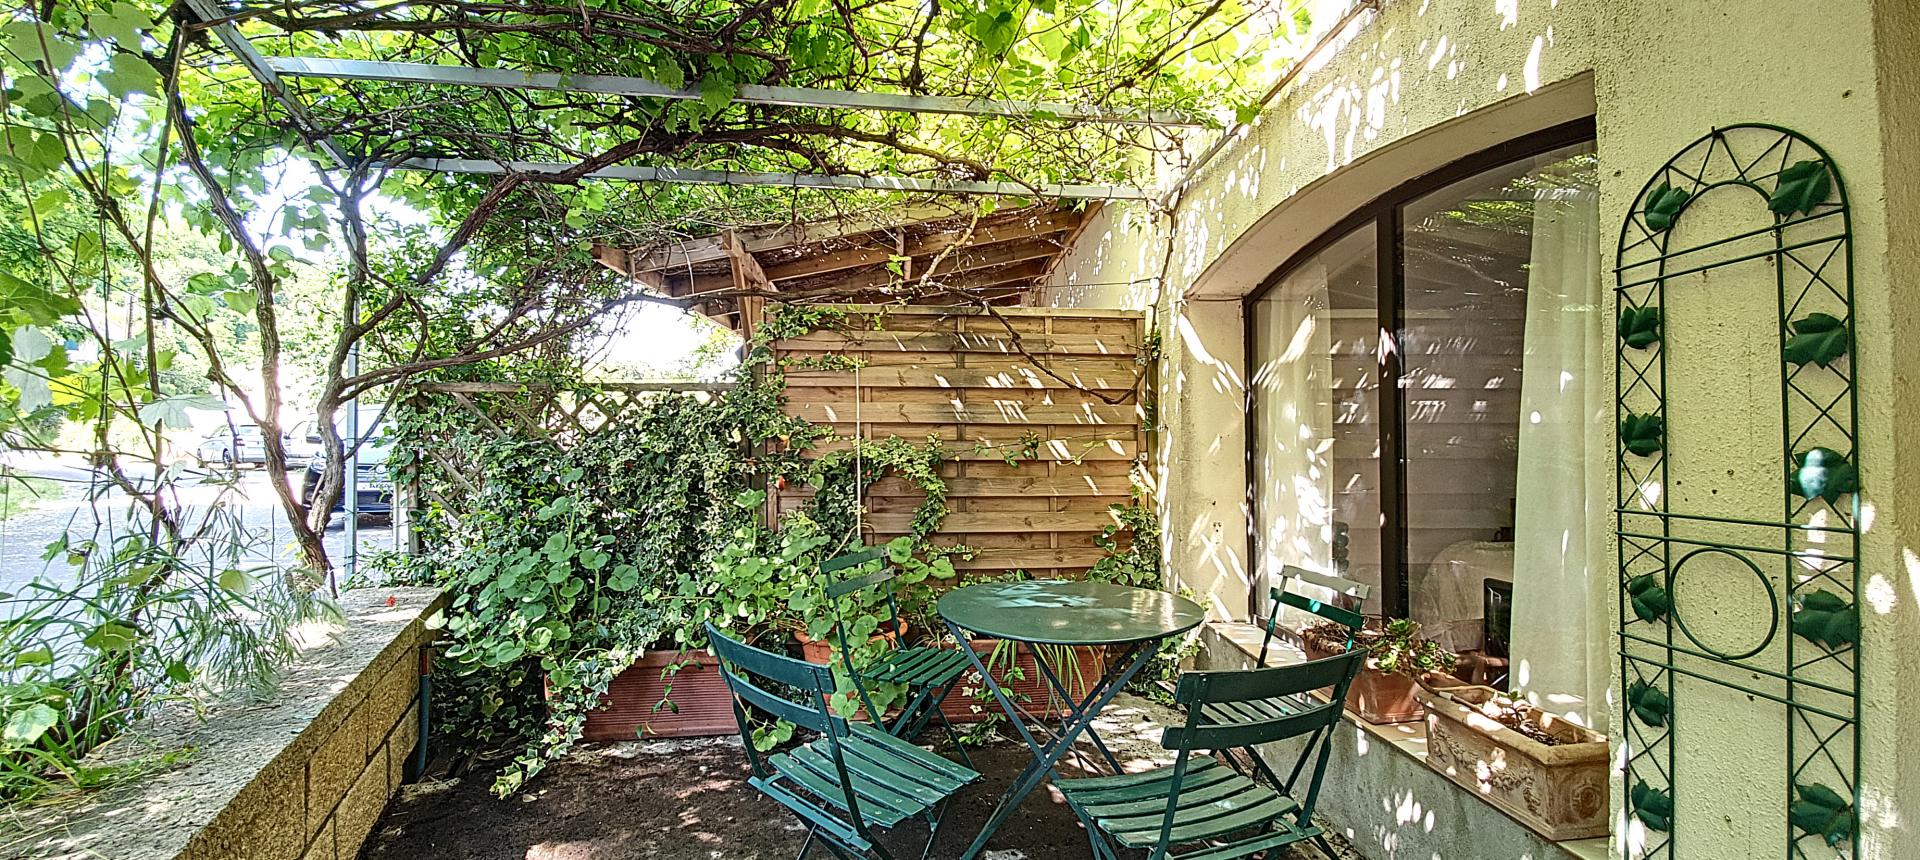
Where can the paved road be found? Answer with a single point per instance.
(24, 537)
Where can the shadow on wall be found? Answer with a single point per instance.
(1374, 84)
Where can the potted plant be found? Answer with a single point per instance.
(1548, 773)
(1396, 656)
(1019, 675)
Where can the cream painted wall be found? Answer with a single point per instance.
(1425, 82)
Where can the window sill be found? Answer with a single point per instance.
(1408, 738)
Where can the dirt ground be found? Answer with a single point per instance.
(689, 799)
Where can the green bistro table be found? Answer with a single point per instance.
(1059, 612)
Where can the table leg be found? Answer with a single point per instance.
(1053, 679)
(1045, 756)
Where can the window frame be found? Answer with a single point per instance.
(1386, 215)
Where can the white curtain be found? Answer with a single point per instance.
(1294, 425)
(1558, 640)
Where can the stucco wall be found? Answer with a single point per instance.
(1425, 82)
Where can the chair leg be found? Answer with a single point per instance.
(1321, 843)
(953, 734)
(807, 846)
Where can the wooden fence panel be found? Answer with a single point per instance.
(1066, 381)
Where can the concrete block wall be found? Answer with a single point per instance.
(303, 776)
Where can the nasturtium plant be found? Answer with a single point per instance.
(1826, 618)
(1649, 703)
(1802, 186)
(1640, 327)
(1664, 205)
(1649, 598)
(1817, 339)
(1822, 812)
(1822, 473)
(1643, 435)
(1652, 806)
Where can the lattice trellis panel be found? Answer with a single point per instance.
(562, 416)
(1804, 658)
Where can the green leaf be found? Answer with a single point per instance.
(173, 409)
(716, 92)
(1650, 601)
(1802, 186)
(1822, 812)
(1822, 473)
(1640, 327)
(41, 656)
(1827, 619)
(1663, 205)
(236, 581)
(240, 300)
(127, 74)
(1643, 435)
(178, 672)
(1649, 703)
(111, 636)
(1652, 806)
(1817, 338)
(26, 725)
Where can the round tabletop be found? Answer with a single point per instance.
(1063, 612)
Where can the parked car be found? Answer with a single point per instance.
(233, 445)
(375, 488)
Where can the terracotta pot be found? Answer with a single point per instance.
(826, 651)
(697, 705)
(1378, 697)
(1031, 691)
(1558, 791)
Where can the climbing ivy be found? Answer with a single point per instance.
(1822, 812)
(1664, 205)
(1640, 327)
(1802, 186)
(1652, 806)
(1643, 435)
(1817, 339)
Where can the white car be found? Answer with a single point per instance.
(233, 445)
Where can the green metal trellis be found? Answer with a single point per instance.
(1807, 562)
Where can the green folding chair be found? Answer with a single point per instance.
(1256, 710)
(930, 674)
(852, 780)
(1205, 808)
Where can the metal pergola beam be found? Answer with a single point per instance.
(786, 180)
(507, 79)
(262, 70)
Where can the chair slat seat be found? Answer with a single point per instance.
(1214, 801)
(892, 780)
(918, 666)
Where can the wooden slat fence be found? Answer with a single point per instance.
(961, 376)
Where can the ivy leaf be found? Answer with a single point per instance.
(1640, 327)
(1817, 338)
(1663, 205)
(1826, 618)
(172, 410)
(1821, 811)
(1649, 703)
(1802, 187)
(1643, 435)
(1823, 473)
(1652, 806)
(1650, 600)
(26, 725)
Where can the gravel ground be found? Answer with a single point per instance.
(689, 799)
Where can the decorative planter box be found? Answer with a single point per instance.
(1031, 691)
(1378, 697)
(1559, 791)
(699, 706)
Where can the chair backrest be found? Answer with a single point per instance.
(1280, 690)
(1280, 596)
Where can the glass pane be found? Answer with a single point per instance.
(1501, 292)
(1316, 415)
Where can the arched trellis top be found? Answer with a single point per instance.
(1807, 561)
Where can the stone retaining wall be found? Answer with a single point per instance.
(303, 776)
